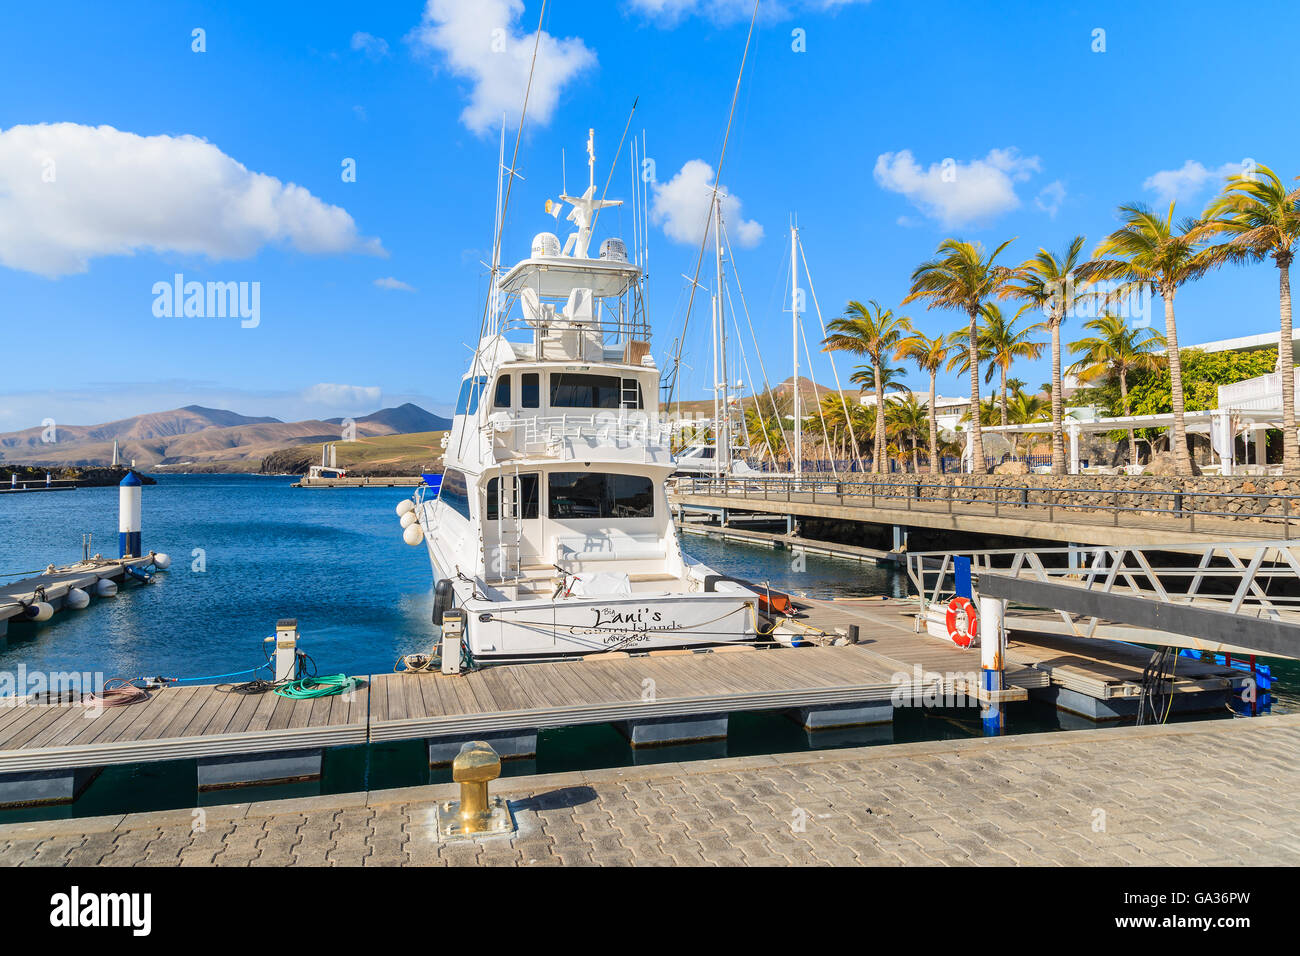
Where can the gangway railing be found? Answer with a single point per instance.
(1104, 504)
(1234, 596)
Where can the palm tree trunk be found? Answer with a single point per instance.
(880, 419)
(1178, 437)
(916, 461)
(1058, 411)
(978, 465)
(1003, 370)
(934, 430)
(1286, 366)
(1123, 397)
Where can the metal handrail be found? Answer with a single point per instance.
(1022, 500)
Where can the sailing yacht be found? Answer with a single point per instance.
(551, 527)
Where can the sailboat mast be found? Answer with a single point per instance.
(794, 311)
(723, 453)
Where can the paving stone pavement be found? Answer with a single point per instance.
(1217, 792)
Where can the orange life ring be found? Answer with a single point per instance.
(962, 611)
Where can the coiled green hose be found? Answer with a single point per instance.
(309, 687)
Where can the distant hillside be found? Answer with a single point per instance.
(197, 439)
(404, 419)
(383, 455)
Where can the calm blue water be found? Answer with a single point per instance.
(332, 558)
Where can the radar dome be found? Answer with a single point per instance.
(546, 245)
(614, 250)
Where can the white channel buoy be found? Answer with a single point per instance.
(408, 519)
(162, 561)
(76, 599)
(105, 588)
(413, 534)
(404, 506)
(128, 516)
(38, 611)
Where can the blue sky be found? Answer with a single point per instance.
(1047, 137)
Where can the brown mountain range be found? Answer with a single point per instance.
(196, 437)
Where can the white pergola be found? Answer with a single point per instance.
(1221, 425)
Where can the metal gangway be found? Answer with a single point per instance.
(1235, 597)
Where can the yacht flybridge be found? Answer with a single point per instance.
(551, 528)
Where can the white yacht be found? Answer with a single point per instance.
(551, 527)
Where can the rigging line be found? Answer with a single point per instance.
(608, 179)
(821, 412)
(717, 179)
(758, 352)
(857, 449)
(744, 358)
(500, 225)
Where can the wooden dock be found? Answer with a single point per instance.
(865, 680)
(55, 583)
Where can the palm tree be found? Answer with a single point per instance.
(891, 379)
(1260, 218)
(875, 332)
(1053, 285)
(1150, 253)
(961, 277)
(928, 354)
(907, 416)
(1026, 410)
(1112, 353)
(1004, 343)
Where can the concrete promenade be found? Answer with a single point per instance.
(1209, 792)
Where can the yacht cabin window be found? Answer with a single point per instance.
(527, 500)
(577, 390)
(502, 397)
(583, 494)
(454, 492)
(470, 390)
(530, 390)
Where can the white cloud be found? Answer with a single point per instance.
(681, 206)
(958, 193)
(372, 46)
(394, 285)
(671, 12)
(1050, 197)
(485, 43)
(342, 396)
(1187, 182)
(72, 193)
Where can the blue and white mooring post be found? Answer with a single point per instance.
(128, 516)
(991, 664)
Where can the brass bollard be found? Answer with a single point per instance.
(475, 766)
(475, 814)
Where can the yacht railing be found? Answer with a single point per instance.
(517, 435)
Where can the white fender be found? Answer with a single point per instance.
(105, 588)
(405, 506)
(76, 599)
(413, 534)
(38, 611)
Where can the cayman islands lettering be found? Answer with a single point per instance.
(618, 625)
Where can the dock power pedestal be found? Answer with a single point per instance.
(453, 629)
